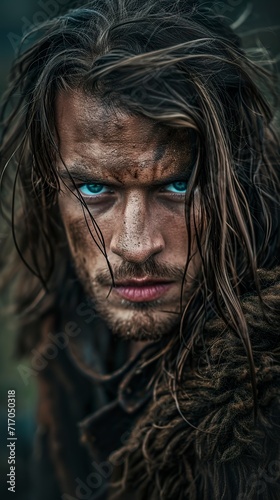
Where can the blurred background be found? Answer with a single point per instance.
(259, 24)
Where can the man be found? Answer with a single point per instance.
(145, 208)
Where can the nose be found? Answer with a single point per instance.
(137, 235)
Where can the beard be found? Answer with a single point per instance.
(138, 321)
(150, 320)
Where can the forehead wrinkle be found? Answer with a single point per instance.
(129, 177)
(87, 118)
(119, 144)
(103, 163)
(107, 163)
(91, 118)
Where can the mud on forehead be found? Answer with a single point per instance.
(91, 118)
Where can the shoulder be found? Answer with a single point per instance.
(201, 441)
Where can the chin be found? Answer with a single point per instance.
(142, 324)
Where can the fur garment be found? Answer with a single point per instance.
(207, 445)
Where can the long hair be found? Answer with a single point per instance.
(179, 64)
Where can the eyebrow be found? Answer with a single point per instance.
(78, 172)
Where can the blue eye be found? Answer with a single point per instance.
(177, 187)
(92, 189)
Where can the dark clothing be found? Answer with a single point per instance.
(81, 420)
(198, 440)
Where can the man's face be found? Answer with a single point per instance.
(131, 173)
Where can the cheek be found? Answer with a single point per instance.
(85, 238)
(76, 237)
(180, 233)
(84, 235)
(84, 250)
(175, 235)
(170, 219)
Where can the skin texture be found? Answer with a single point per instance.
(141, 218)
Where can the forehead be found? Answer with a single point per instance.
(96, 135)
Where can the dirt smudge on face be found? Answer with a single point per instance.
(75, 234)
(160, 152)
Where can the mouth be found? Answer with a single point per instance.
(142, 290)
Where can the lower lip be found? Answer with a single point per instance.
(143, 293)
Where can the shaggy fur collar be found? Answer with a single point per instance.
(208, 446)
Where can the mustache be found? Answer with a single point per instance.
(149, 269)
